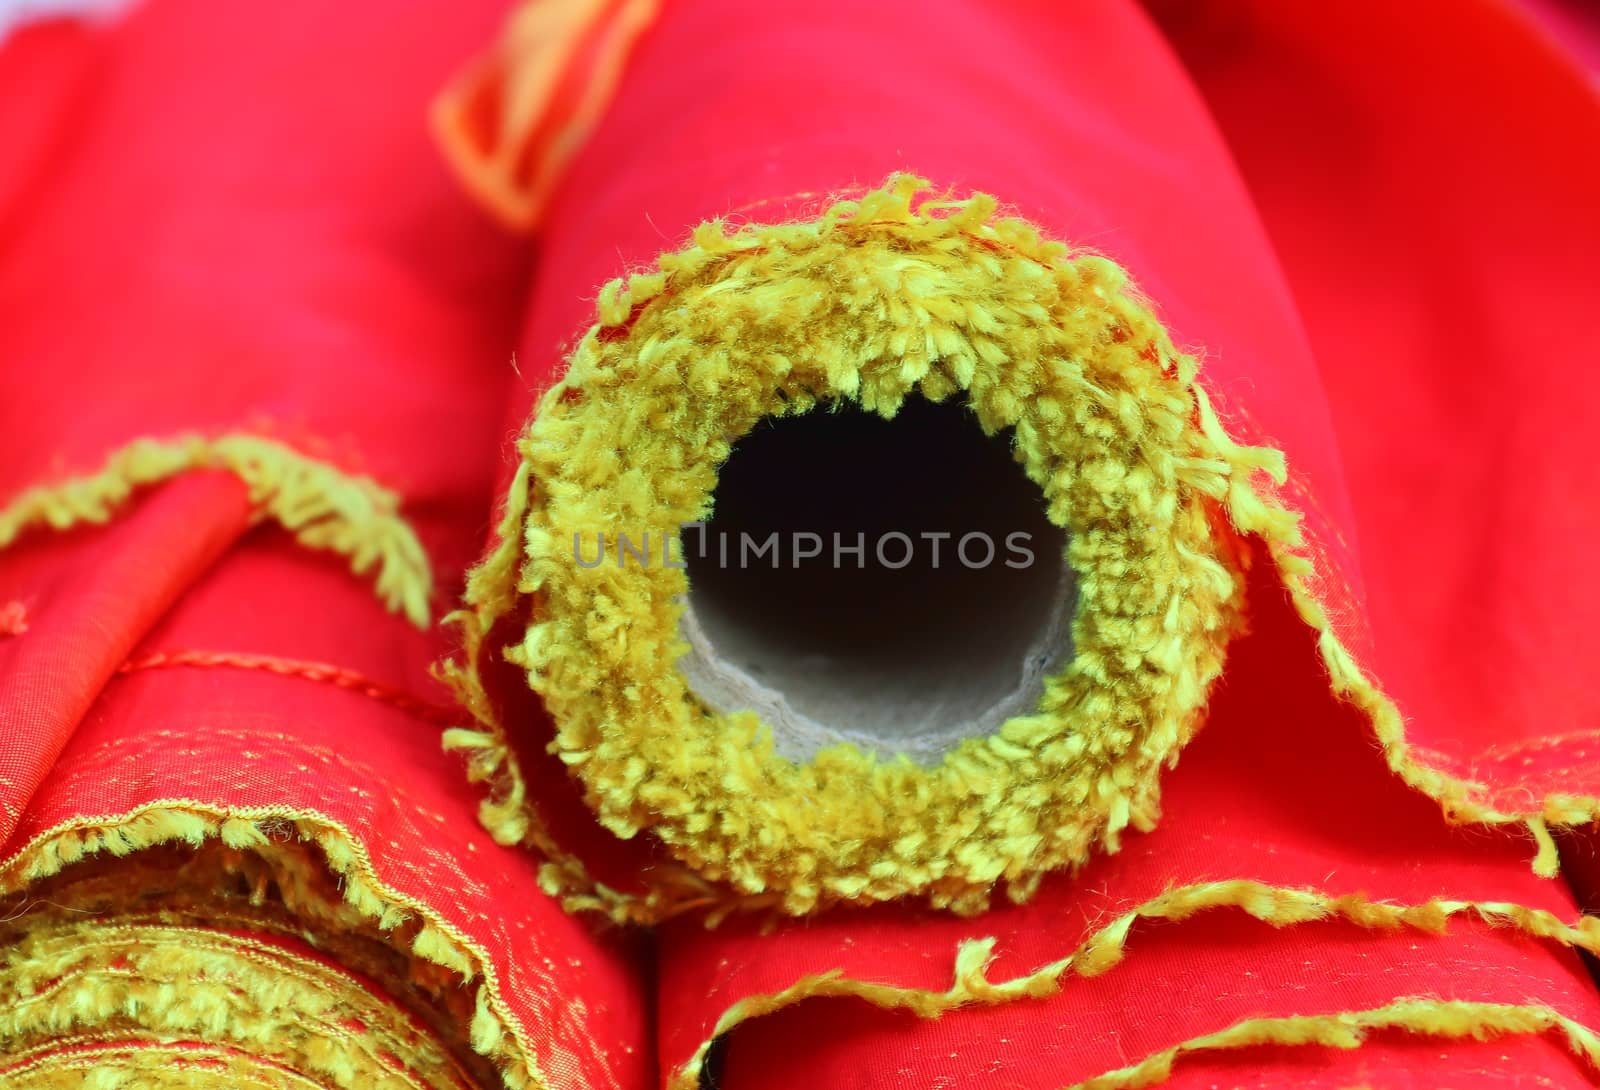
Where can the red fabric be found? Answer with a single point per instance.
(244, 227)
(1281, 786)
(1084, 119)
(1210, 974)
(1573, 24)
(1438, 225)
(220, 218)
(229, 738)
(305, 252)
(813, 115)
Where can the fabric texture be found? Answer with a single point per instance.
(266, 363)
(235, 224)
(1285, 786)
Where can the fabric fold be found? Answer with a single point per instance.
(1260, 326)
(1310, 773)
(257, 344)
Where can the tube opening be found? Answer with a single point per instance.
(892, 583)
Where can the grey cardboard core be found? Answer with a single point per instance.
(895, 584)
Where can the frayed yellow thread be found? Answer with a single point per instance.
(325, 508)
(71, 977)
(1547, 862)
(882, 299)
(1099, 952)
(1461, 800)
(258, 829)
(505, 813)
(562, 875)
(1348, 1030)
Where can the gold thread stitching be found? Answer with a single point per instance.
(319, 673)
(108, 1063)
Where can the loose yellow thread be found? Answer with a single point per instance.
(885, 298)
(1547, 863)
(325, 508)
(431, 940)
(1348, 1030)
(1461, 800)
(1099, 952)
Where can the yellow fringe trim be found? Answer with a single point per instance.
(323, 507)
(508, 817)
(82, 977)
(494, 1031)
(1460, 799)
(1348, 1030)
(884, 298)
(1277, 906)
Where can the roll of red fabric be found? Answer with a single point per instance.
(248, 318)
(1342, 784)
(1233, 324)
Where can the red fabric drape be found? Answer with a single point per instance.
(223, 219)
(1377, 222)
(1088, 121)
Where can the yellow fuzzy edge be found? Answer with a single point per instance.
(506, 811)
(1208, 463)
(494, 1032)
(323, 507)
(102, 1065)
(1107, 422)
(1449, 1019)
(78, 979)
(1277, 906)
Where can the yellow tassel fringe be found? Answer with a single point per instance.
(1277, 906)
(323, 507)
(506, 811)
(365, 899)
